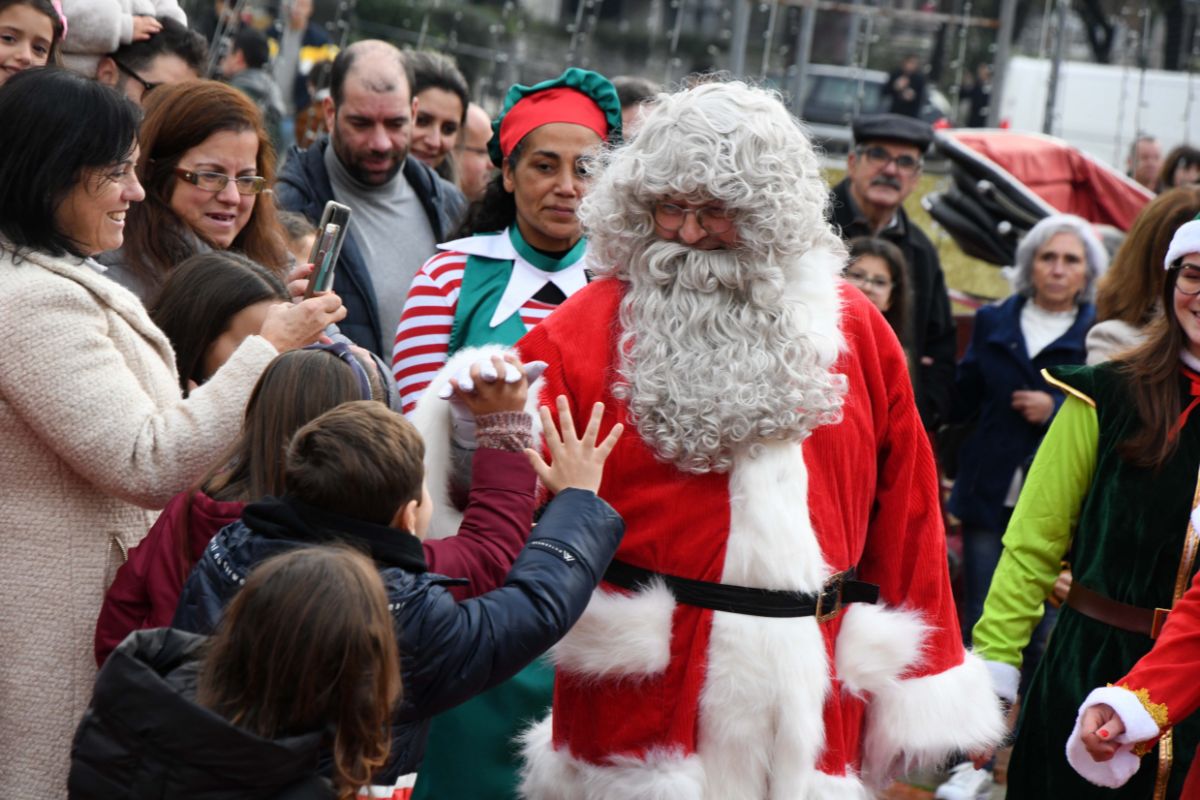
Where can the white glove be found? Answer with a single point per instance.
(462, 421)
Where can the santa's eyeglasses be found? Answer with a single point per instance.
(713, 219)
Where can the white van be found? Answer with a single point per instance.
(1101, 108)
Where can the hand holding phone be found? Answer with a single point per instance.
(331, 233)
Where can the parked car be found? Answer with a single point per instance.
(833, 95)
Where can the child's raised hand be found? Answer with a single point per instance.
(575, 463)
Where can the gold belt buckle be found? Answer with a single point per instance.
(835, 583)
(1160, 619)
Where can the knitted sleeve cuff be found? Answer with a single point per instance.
(504, 430)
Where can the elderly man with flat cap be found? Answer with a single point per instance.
(881, 171)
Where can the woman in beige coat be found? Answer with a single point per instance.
(94, 434)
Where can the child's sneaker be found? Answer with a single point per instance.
(966, 783)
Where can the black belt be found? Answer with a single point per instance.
(837, 591)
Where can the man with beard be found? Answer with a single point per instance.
(778, 622)
(402, 209)
(881, 172)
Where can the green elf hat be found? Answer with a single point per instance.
(578, 96)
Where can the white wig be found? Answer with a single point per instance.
(720, 141)
(1020, 275)
(717, 356)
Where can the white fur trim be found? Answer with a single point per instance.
(836, 787)
(876, 645)
(1139, 727)
(762, 704)
(550, 774)
(620, 635)
(919, 722)
(1006, 680)
(813, 292)
(431, 418)
(772, 544)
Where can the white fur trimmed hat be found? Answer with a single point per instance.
(1186, 240)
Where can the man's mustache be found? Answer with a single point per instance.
(886, 180)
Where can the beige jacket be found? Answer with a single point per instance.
(94, 436)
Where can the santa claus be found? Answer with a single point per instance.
(778, 623)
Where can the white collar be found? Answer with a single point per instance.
(526, 280)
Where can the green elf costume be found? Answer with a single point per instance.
(1124, 529)
(506, 287)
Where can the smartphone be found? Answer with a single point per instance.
(331, 233)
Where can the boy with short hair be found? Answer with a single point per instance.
(355, 475)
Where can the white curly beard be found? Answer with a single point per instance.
(713, 362)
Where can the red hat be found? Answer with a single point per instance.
(560, 104)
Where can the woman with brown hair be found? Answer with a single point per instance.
(304, 663)
(1113, 484)
(1127, 295)
(206, 163)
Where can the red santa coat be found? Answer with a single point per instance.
(669, 701)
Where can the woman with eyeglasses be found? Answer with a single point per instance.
(1121, 719)
(95, 434)
(877, 268)
(206, 163)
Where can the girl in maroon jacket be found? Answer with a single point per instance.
(297, 387)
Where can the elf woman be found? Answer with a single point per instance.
(523, 254)
(523, 251)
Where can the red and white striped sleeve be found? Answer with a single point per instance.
(423, 335)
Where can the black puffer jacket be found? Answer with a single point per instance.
(144, 737)
(449, 651)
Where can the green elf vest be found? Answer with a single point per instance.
(502, 272)
(471, 751)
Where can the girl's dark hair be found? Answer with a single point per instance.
(198, 302)
(897, 314)
(179, 117)
(47, 8)
(1152, 374)
(1183, 155)
(308, 645)
(1130, 289)
(61, 129)
(296, 387)
(497, 209)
